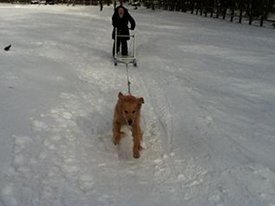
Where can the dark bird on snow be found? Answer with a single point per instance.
(7, 48)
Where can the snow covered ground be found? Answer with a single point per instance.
(209, 112)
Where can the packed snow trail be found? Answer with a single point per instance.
(217, 87)
(208, 116)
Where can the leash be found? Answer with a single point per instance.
(129, 92)
(128, 79)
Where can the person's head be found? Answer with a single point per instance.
(120, 12)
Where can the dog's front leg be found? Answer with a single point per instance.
(137, 135)
(116, 132)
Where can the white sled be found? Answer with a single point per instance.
(131, 57)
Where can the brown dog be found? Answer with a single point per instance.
(127, 112)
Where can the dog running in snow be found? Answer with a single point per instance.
(127, 112)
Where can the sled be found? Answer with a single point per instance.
(131, 57)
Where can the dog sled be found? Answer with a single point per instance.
(130, 58)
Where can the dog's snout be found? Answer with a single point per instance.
(130, 122)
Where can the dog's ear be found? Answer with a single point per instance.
(120, 95)
(141, 100)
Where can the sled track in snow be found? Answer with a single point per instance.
(162, 110)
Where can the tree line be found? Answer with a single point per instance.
(252, 9)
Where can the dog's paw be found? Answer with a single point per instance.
(136, 151)
(136, 154)
(115, 142)
(116, 139)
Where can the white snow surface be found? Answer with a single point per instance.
(208, 117)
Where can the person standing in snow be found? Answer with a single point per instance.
(120, 20)
(101, 4)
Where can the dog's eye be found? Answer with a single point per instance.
(134, 112)
(126, 112)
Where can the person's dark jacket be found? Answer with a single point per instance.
(122, 23)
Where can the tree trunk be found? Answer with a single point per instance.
(241, 11)
(251, 11)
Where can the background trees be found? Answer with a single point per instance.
(251, 9)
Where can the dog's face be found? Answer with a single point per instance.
(130, 107)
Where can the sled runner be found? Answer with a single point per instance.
(130, 57)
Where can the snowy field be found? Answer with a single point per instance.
(209, 112)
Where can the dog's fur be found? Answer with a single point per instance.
(127, 112)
